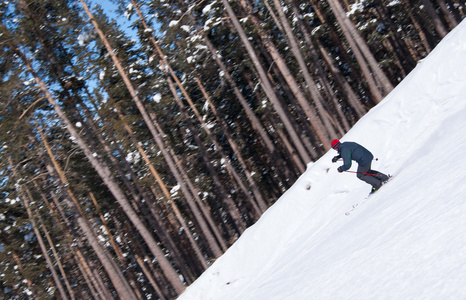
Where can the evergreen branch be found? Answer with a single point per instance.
(22, 115)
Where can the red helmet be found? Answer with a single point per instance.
(335, 144)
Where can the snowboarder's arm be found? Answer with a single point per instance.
(334, 159)
(346, 155)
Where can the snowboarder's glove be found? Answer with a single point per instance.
(336, 158)
(339, 170)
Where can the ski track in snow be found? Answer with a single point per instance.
(407, 241)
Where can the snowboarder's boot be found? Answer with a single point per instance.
(388, 179)
(374, 189)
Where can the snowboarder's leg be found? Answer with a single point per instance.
(380, 175)
(375, 181)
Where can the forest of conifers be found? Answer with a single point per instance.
(130, 162)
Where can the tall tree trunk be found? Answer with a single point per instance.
(290, 153)
(449, 16)
(255, 122)
(406, 61)
(266, 85)
(54, 214)
(55, 254)
(149, 276)
(234, 146)
(336, 73)
(116, 276)
(18, 263)
(24, 194)
(94, 285)
(116, 247)
(310, 83)
(90, 282)
(346, 88)
(165, 191)
(363, 55)
(227, 200)
(319, 64)
(419, 28)
(438, 24)
(216, 243)
(142, 204)
(172, 275)
(169, 70)
(105, 173)
(259, 206)
(316, 122)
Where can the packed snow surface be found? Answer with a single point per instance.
(406, 241)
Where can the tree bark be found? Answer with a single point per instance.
(438, 24)
(362, 53)
(99, 290)
(335, 72)
(116, 276)
(316, 122)
(55, 254)
(172, 276)
(223, 195)
(194, 202)
(311, 85)
(419, 28)
(169, 70)
(165, 191)
(105, 173)
(234, 146)
(24, 194)
(267, 86)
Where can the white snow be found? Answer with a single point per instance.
(128, 11)
(29, 82)
(173, 23)
(407, 241)
(186, 28)
(393, 3)
(357, 6)
(207, 9)
(133, 157)
(82, 38)
(157, 97)
(175, 189)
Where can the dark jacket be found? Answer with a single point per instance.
(352, 151)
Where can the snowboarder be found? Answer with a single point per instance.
(352, 151)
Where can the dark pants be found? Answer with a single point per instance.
(375, 179)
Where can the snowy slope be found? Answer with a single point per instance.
(407, 241)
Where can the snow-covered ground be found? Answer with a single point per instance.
(407, 241)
